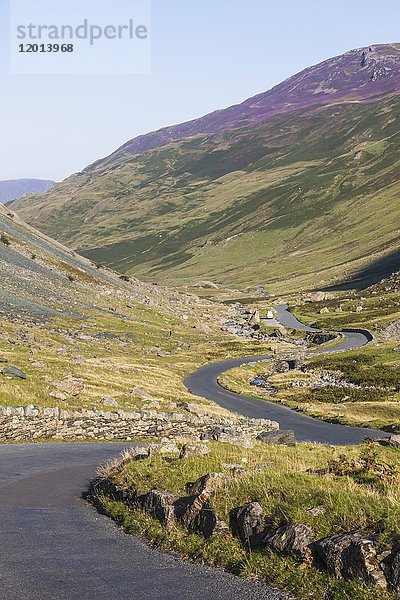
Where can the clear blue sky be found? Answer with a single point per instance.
(207, 54)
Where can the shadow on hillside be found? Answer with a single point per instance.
(375, 272)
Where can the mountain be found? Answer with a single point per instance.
(13, 189)
(287, 189)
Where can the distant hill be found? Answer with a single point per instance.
(16, 188)
(296, 187)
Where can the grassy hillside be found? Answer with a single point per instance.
(284, 201)
(63, 321)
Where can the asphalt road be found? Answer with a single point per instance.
(54, 546)
(204, 383)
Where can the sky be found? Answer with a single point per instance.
(205, 55)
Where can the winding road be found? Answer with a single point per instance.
(204, 383)
(54, 546)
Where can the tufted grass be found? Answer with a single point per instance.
(286, 490)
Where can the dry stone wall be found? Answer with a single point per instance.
(29, 423)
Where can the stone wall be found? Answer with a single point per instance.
(30, 423)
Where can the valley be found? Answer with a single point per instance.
(200, 340)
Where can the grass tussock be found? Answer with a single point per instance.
(287, 482)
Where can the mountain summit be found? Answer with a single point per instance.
(288, 185)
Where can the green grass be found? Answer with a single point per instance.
(294, 204)
(286, 489)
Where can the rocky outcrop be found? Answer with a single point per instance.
(282, 437)
(30, 423)
(292, 540)
(391, 568)
(349, 556)
(161, 505)
(320, 338)
(248, 523)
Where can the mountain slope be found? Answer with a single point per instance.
(291, 184)
(13, 189)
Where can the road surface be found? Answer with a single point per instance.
(204, 383)
(54, 546)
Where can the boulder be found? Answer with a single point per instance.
(230, 435)
(320, 337)
(282, 437)
(394, 441)
(199, 517)
(70, 385)
(161, 505)
(349, 556)
(291, 540)
(281, 366)
(189, 450)
(209, 483)
(391, 568)
(58, 395)
(108, 401)
(255, 318)
(203, 328)
(248, 523)
(14, 373)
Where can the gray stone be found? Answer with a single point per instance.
(108, 401)
(282, 437)
(391, 568)
(14, 373)
(161, 505)
(209, 483)
(248, 523)
(292, 540)
(394, 441)
(349, 556)
(189, 450)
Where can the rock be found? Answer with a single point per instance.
(58, 395)
(228, 435)
(208, 524)
(3, 360)
(209, 483)
(324, 311)
(163, 353)
(282, 437)
(161, 505)
(349, 556)
(391, 568)
(320, 338)
(189, 450)
(320, 297)
(394, 441)
(70, 385)
(281, 366)
(248, 523)
(199, 517)
(203, 328)
(13, 373)
(142, 394)
(292, 540)
(193, 409)
(255, 318)
(165, 446)
(108, 401)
